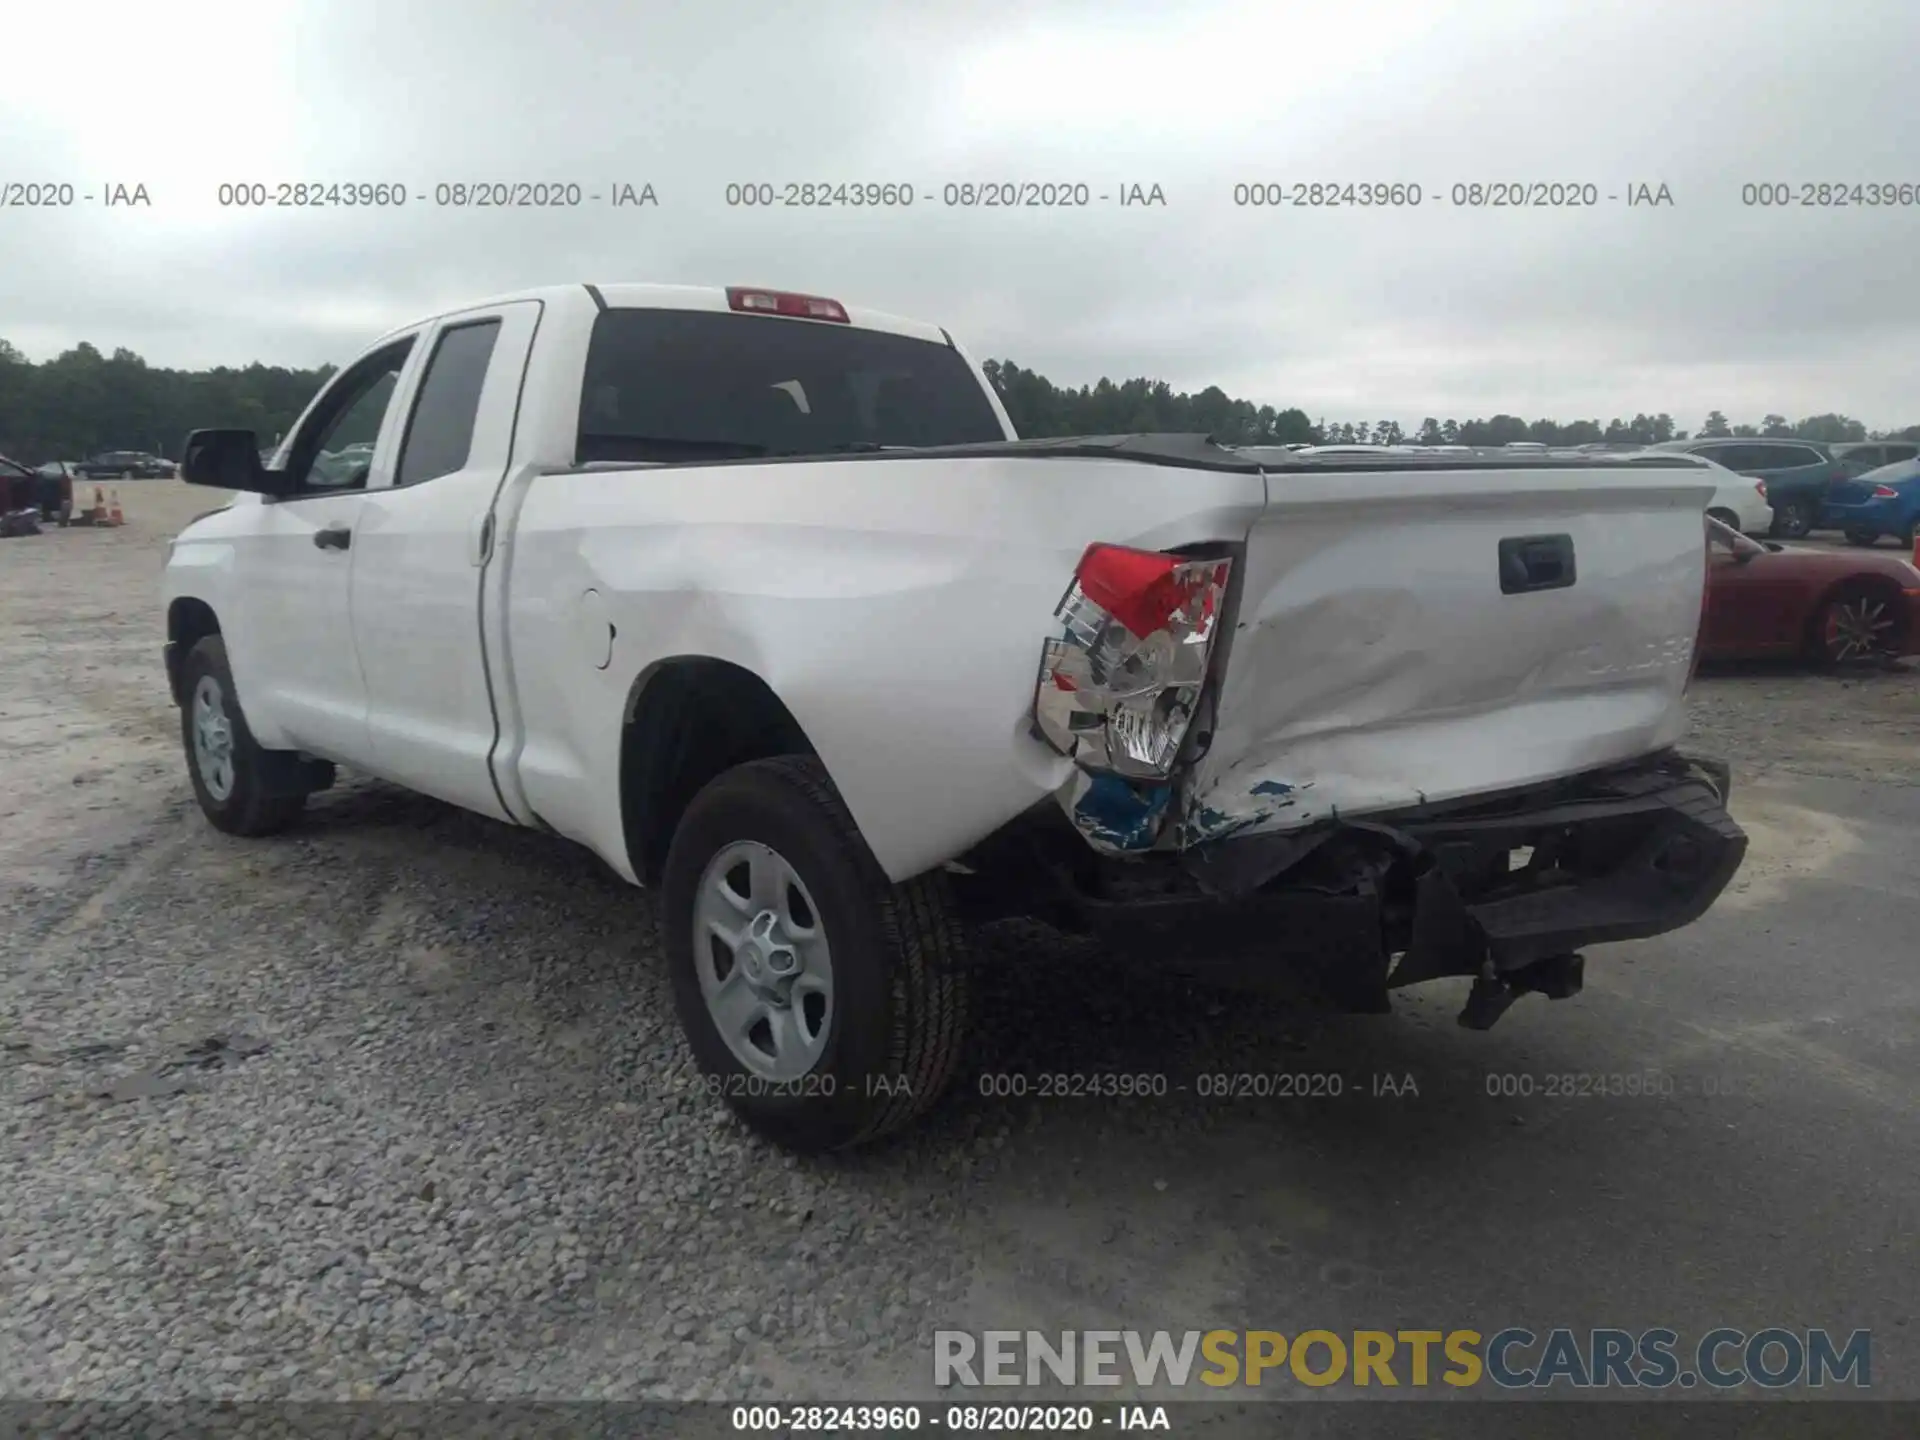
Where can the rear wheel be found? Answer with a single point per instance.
(1862, 537)
(1793, 520)
(824, 1003)
(242, 789)
(1726, 518)
(1858, 623)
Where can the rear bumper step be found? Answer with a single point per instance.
(1505, 889)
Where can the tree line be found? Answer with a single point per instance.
(83, 402)
(1038, 408)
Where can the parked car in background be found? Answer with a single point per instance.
(19, 498)
(124, 465)
(1739, 501)
(1797, 474)
(1857, 457)
(1881, 502)
(56, 491)
(1829, 606)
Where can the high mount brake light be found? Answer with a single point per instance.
(1119, 685)
(782, 302)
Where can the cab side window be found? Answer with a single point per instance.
(440, 431)
(334, 450)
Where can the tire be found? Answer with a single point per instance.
(1854, 616)
(1728, 519)
(1863, 537)
(1793, 520)
(255, 793)
(888, 1037)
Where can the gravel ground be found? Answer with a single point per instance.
(396, 1106)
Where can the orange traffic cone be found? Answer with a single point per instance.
(115, 515)
(99, 512)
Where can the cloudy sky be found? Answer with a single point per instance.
(1388, 313)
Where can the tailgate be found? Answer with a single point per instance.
(1427, 632)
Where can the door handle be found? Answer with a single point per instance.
(334, 537)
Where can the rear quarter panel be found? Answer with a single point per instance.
(896, 606)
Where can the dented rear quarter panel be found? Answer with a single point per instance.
(896, 606)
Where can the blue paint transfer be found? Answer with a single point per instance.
(1115, 814)
(1203, 823)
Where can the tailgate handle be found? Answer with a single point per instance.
(1535, 562)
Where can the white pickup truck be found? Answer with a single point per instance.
(759, 598)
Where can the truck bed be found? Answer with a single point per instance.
(897, 601)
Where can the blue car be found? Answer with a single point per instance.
(1881, 502)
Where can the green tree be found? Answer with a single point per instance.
(1715, 426)
(81, 402)
(1829, 429)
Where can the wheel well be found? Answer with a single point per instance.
(189, 621)
(689, 719)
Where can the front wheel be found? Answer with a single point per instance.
(241, 788)
(826, 1005)
(1793, 520)
(1857, 624)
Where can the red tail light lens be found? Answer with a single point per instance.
(783, 302)
(1119, 684)
(1760, 488)
(1885, 492)
(1142, 589)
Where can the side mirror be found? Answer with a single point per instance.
(229, 460)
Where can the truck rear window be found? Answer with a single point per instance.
(676, 385)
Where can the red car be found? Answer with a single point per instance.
(1835, 606)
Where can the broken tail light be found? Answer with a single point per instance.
(1119, 684)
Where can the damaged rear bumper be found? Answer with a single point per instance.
(1507, 889)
